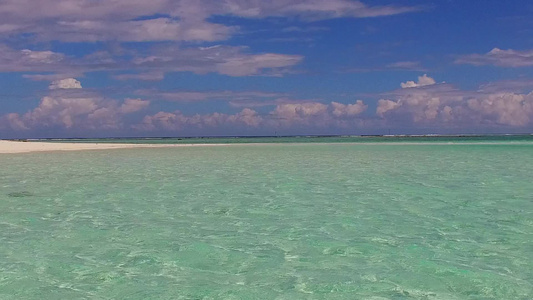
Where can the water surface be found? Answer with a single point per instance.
(277, 221)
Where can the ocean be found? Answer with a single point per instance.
(297, 218)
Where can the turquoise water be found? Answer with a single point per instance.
(278, 221)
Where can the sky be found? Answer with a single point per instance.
(136, 68)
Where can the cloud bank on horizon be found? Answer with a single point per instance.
(239, 67)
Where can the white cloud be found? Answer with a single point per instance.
(405, 65)
(444, 105)
(422, 81)
(255, 64)
(505, 108)
(515, 85)
(67, 83)
(500, 58)
(147, 76)
(80, 110)
(348, 110)
(73, 113)
(385, 105)
(227, 60)
(61, 112)
(263, 101)
(194, 96)
(50, 77)
(30, 61)
(46, 57)
(309, 114)
(289, 114)
(133, 105)
(311, 9)
(248, 117)
(160, 29)
(12, 121)
(240, 99)
(80, 20)
(19, 10)
(175, 121)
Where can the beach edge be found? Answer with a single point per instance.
(12, 147)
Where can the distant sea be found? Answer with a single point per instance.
(429, 217)
(308, 139)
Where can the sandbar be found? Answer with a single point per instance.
(25, 147)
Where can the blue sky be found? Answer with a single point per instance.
(83, 68)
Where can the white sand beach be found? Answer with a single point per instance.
(24, 147)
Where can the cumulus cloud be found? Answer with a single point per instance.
(312, 113)
(60, 112)
(73, 110)
(70, 107)
(175, 121)
(284, 115)
(12, 121)
(444, 105)
(500, 58)
(248, 117)
(422, 81)
(348, 110)
(505, 108)
(385, 105)
(133, 105)
(67, 83)
(73, 113)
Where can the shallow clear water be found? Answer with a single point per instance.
(279, 221)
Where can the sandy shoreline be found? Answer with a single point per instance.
(7, 146)
(25, 147)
